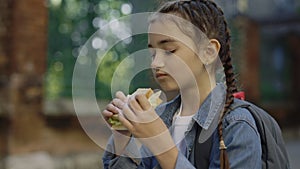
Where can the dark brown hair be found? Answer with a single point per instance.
(210, 19)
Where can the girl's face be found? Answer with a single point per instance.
(175, 59)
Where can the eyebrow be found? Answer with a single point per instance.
(164, 41)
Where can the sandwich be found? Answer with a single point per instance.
(153, 98)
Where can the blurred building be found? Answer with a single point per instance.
(265, 39)
(261, 10)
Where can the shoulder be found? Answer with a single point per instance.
(239, 116)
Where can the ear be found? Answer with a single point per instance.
(212, 51)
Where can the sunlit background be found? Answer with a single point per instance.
(41, 40)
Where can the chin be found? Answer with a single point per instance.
(169, 87)
(167, 84)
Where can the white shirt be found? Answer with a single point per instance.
(180, 124)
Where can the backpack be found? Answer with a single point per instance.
(274, 154)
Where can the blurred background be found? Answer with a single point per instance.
(40, 42)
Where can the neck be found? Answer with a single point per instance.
(192, 98)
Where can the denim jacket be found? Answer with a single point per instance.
(239, 131)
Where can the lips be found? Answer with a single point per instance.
(160, 74)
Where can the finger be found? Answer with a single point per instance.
(107, 114)
(121, 95)
(134, 105)
(125, 122)
(118, 103)
(110, 107)
(128, 113)
(143, 102)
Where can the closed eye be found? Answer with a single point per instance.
(170, 52)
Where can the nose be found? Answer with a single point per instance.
(157, 60)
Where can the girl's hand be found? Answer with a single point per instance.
(144, 123)
(111, 109)
(122, 137)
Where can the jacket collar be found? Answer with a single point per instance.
(208, 113)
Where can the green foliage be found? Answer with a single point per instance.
(71, 24)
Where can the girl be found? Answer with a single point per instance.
(183, 59)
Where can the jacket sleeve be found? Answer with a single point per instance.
(129, 158)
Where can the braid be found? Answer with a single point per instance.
(225, 55)
(230, 83)
(210, 19)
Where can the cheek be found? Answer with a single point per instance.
(181, 73)
(186, 63)
(196, 63)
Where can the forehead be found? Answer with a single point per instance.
(161, 30)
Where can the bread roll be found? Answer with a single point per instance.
(152, 97)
